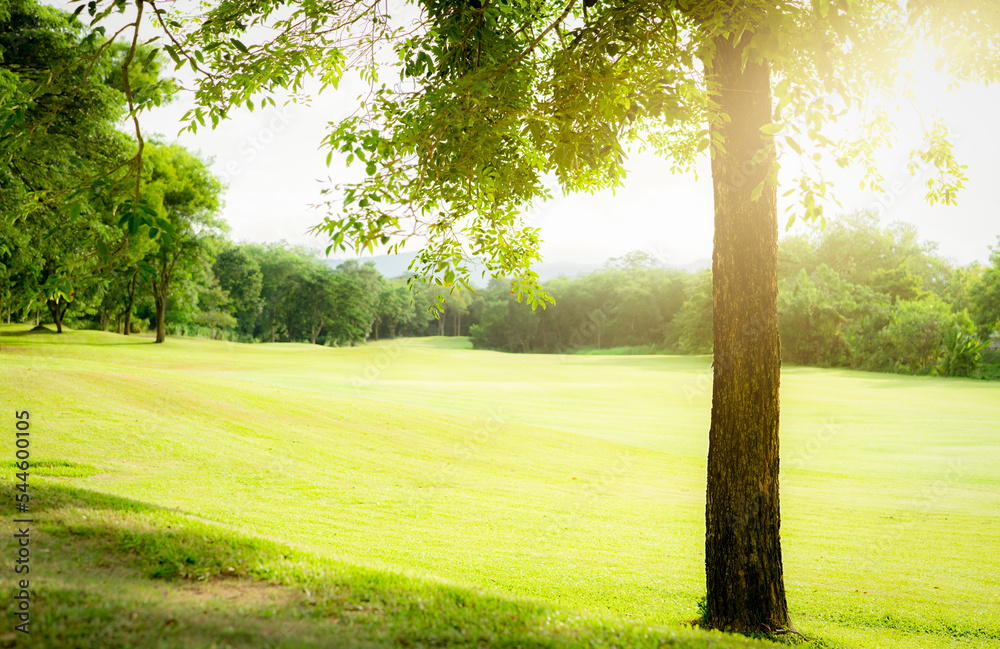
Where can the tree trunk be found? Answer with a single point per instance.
(131, 303)
(57, 311)
(745, 586)
(441, 324)
(161, 313)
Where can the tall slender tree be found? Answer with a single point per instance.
(178, 185)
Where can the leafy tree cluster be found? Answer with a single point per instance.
(853, 295)
(280, 294)
(80, 218)
(871, 298)
(632, 302)
(208, 286)
(90, 237)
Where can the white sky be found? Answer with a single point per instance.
(273, 165)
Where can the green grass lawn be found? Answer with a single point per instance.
(544, 487)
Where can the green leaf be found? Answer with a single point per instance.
(173, 54)
(793, 145)
(771, 129)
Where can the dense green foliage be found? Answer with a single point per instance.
(70, 184)
(57, 119)
(476, 107)
(855, 295)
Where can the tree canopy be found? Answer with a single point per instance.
(64, 164)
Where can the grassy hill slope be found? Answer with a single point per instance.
(573, 481)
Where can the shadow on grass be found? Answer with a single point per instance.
(54, 468)
(44, 335)
(111, 572)
(43, 331)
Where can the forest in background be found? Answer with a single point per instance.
(855, 295)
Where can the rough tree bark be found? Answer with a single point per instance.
(131, 304)
(160, 299)
(743, 565)
(57, 309)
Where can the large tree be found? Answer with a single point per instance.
(64, 163)
(179, 187)
(239, 275)
(486, 99)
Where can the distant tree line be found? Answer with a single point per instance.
(854, 295)
(249, 293)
